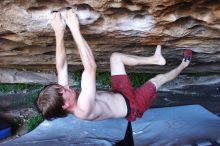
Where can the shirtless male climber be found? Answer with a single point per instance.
(58, 100)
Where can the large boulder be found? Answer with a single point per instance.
(134, 27)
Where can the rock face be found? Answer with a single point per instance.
(129, 26)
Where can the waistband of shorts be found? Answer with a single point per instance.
(120, 75)
(128, 106)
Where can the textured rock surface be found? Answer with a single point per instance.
(134, 27)
(17, 76)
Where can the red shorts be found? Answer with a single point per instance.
(139, 99)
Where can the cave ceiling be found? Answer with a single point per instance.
(134, 27)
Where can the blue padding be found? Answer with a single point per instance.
(3, 125)
(4, 133)
(5, 129)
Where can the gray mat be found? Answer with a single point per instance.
(70, 131)
(177, 126)
(172, 126)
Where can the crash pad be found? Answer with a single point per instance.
(170, 126)
(5, 129)
(177, 126)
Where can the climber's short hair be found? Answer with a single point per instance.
(50, 101)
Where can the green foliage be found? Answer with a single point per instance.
(77, 75)
(104, 78)
(27, 99)
(31, 98)
(16, 88)
(34, 122)
(138, 79)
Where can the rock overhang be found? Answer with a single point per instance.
(132, 27)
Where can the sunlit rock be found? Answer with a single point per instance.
(133, 27)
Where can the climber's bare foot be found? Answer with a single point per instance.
(159, 59)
